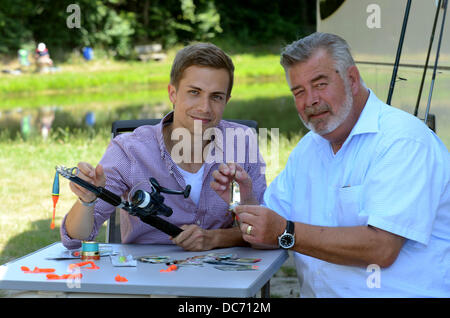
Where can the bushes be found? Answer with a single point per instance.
(116, 26)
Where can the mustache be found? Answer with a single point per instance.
(310, 111)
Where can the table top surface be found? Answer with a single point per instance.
(145, 279)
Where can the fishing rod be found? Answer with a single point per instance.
(416, 110)
(436, 61)
(144, 205)
(399, 53)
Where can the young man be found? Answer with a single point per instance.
(364, 199)
(180, 150)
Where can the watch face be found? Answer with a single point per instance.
(287, 241)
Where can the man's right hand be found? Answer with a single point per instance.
(88, 173)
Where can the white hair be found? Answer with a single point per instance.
(303, 49)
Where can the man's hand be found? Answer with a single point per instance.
(88, 173)
(266, 225)
(193, 238)
(223, 178)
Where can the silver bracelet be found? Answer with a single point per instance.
(87, 203)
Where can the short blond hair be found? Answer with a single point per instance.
(201, 54)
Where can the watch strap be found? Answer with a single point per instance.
(290, 227)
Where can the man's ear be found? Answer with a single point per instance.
(355, 79)
(172, 93)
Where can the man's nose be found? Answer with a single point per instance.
(312, 98)
(205, 104)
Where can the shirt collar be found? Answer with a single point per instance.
(367, 121)
(166, 120)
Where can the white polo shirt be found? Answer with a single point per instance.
(393, 173)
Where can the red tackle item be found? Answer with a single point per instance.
(37, 270)
(43, 270)
(81, 264)
(65, 276)
(55, 200)
(121, 279)
(169, 269)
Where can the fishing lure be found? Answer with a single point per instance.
(55, 197)
(120, 279)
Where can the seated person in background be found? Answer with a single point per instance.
(42, 57)
(200, 87)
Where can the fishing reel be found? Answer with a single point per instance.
(152, 203)
(147, 206)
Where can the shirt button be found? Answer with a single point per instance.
(198, 222)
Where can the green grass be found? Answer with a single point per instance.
(120, 76)
(27, 177)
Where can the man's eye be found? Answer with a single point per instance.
(218, 98)
(298, 93)
(321, 85)
(193, 92)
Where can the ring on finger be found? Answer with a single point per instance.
(249, 230)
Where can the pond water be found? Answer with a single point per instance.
(268, 101)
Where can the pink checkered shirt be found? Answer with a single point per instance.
(132, 158)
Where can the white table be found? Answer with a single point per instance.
(146, 278)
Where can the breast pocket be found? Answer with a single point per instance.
(349, 207)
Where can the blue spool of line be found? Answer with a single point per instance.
(89, 247)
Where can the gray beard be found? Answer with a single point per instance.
(336, 119)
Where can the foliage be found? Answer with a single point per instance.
(105, 28)
(116, 26)
(259, 21)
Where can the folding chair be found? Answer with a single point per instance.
(121, 126)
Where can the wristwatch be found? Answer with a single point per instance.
(287, 239)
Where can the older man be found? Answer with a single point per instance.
(364, 200)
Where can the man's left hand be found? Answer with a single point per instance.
(193, 238)
(266, 225)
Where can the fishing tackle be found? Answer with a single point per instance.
(146, 206)
(55, 197)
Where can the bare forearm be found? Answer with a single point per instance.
(355, 246)
(80, 221)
